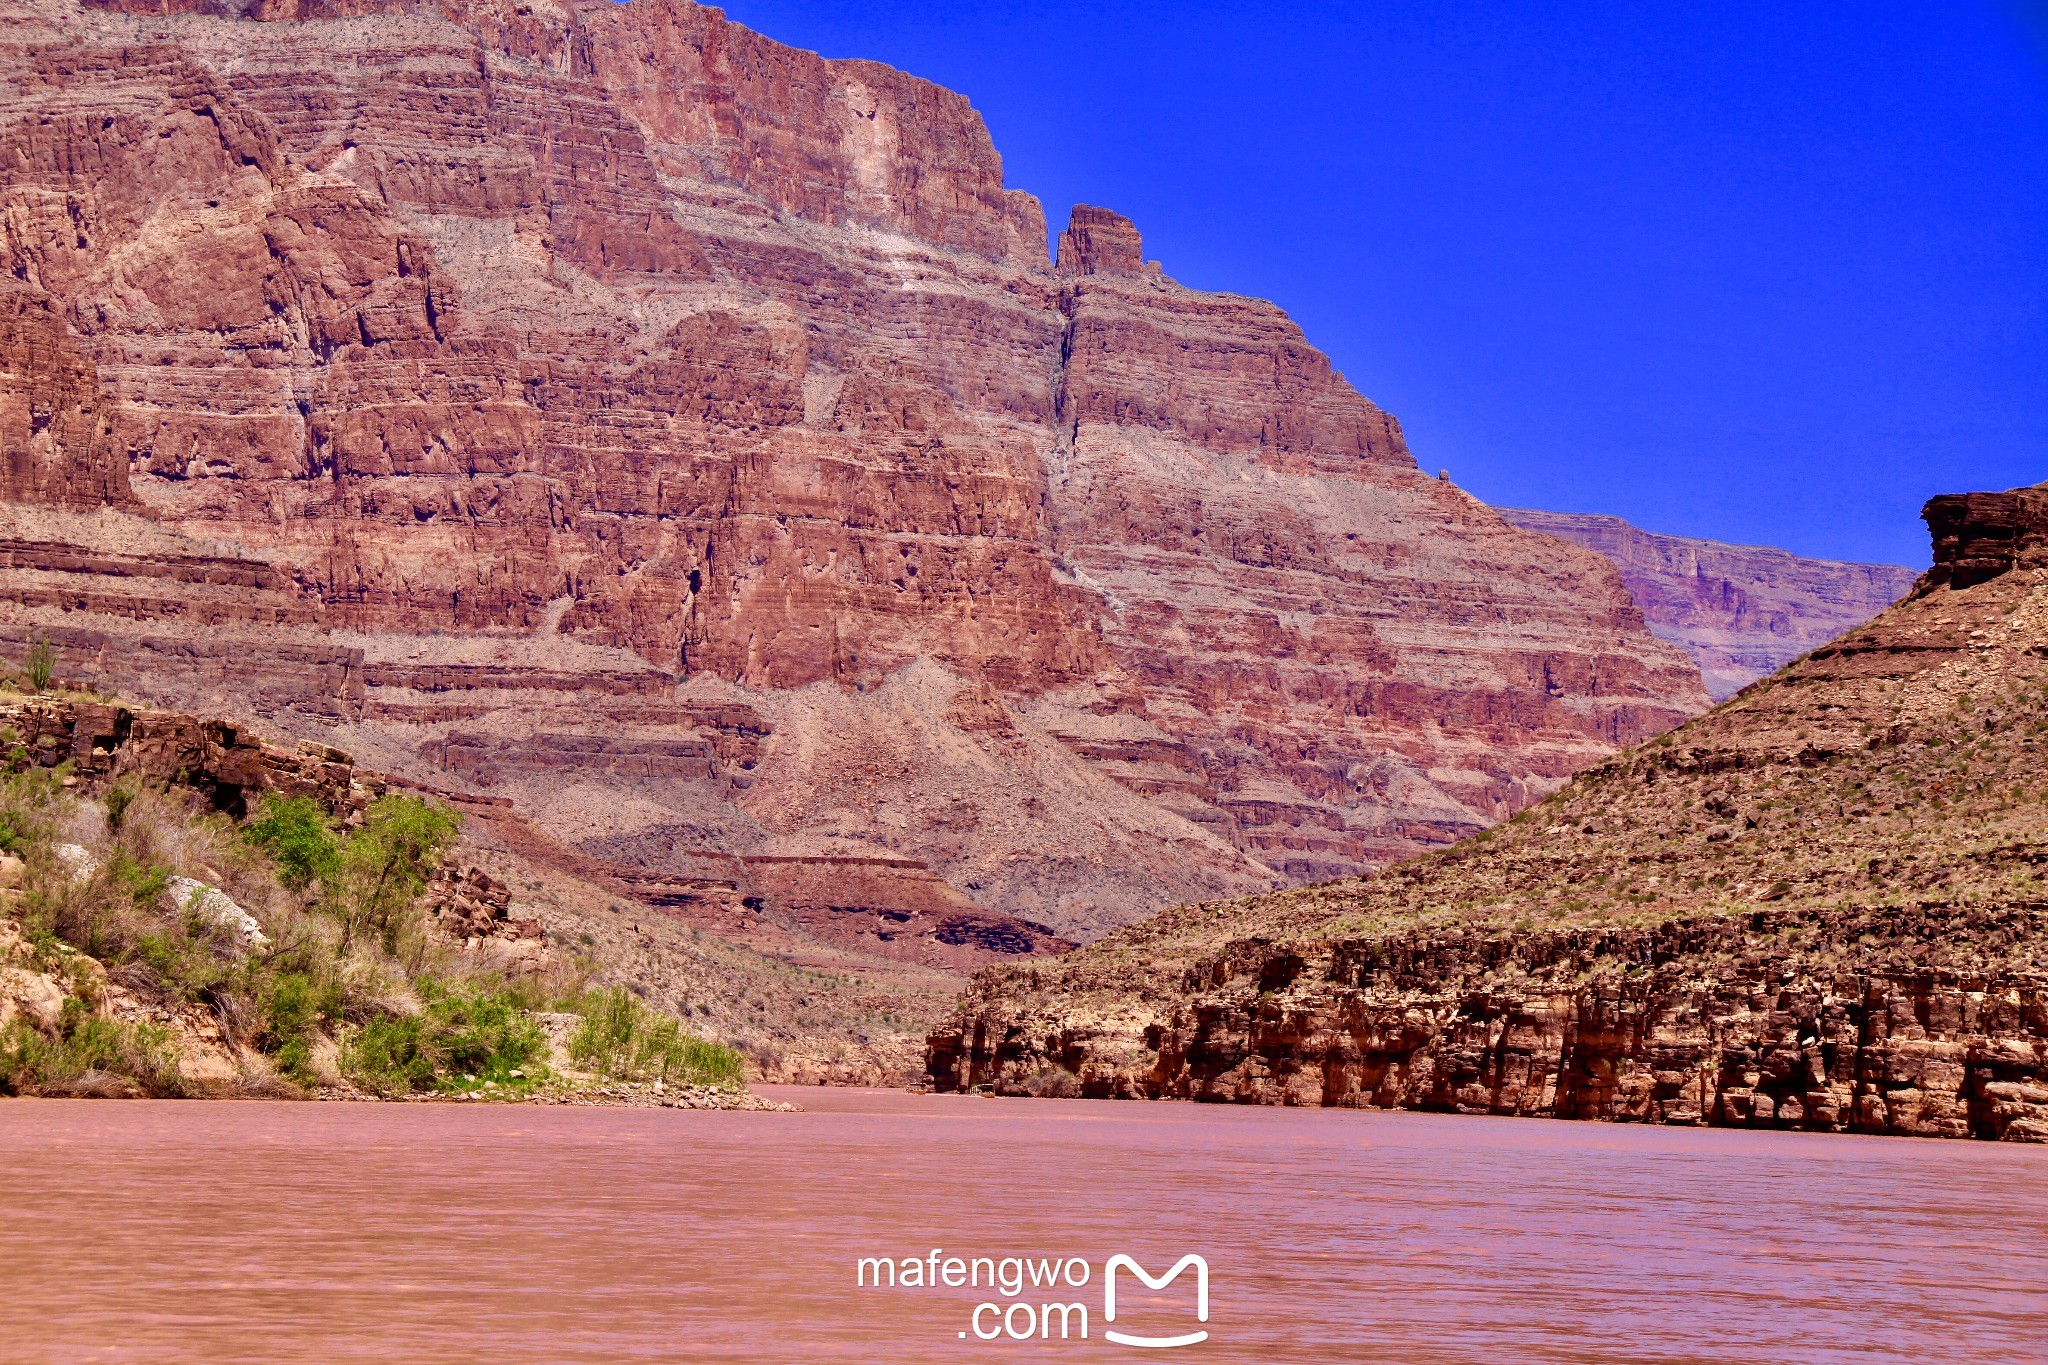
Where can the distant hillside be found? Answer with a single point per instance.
(1741, 611)
(1822, 905)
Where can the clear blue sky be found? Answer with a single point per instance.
(1770, 273)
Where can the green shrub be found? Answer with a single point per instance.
(25, 799)
(119, 797)
(330, 970)
(86, 1045)
(144, 882)
(370, 879)
(295, 1008)
(463, 1036)
(185, 967)
(389, 1056)
(294, 831)
(622, 1038)
(42, 663)
(384, 866)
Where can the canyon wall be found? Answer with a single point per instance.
(1796, 1024)
(687, 440)
(1741, 611)
(1821, 906)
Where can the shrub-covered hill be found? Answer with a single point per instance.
(186, 911)
(1822, 905)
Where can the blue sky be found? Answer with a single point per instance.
(1766, 273)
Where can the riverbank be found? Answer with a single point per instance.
(654, 1096)
(187, 911)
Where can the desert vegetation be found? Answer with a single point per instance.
(150, 944)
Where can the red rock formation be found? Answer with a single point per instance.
(1332, 649)
(1817, 907)
(56, 438)
(467, 903)
(1741, 611)
(572, 368)
(104, 743)
(1978, 536)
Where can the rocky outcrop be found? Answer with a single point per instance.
(1278, 575)
(104, 742)
(1741, 611)
(1797, 1023)
(1978, 536)
(603, 409)
(468, 903)
(1820, 907)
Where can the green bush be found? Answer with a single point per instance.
(118, 798)
(87, 1045)
(371, 879)
(384, 866)
(390, 1056)
(25, 799)
(462, 1037)
(294, 831)
(144, 882)
(42, 663)
(622, 1038)
(340, 954)
(296, 1007)
(186, 967)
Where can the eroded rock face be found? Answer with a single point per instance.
(468, 903)
(1741, 611)
(1978, 536)
(508, 383)
(56, 433)
(1796, 1024)
(104, 743)
(1276, 575)
(1820, 906)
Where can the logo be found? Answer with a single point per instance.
(1126, 1263)
(1020, 1314)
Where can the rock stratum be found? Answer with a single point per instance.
(604, 413)
(1741, 611)
(1823, 906)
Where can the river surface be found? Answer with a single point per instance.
(256, 1231)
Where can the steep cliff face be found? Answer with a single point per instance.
(1820, 906)
(604, 409)
(1741, 611)
(1277, 574)
(56, 436)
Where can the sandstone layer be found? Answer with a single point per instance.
(1820, 906)
(604, 410)
(1741, 611)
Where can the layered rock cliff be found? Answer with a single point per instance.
(1741, 611)
(1820, 906)
(603, 409)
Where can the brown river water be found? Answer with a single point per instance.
(323, 1232)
